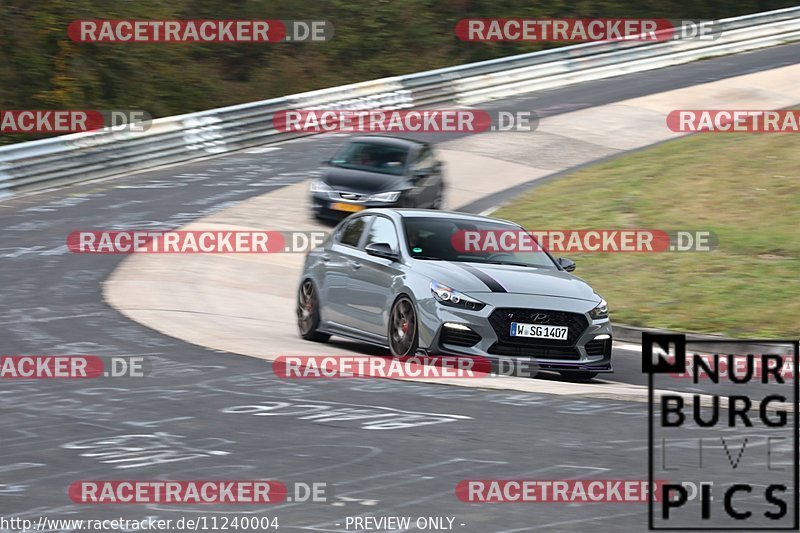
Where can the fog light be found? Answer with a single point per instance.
(602, 337)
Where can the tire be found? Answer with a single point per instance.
(403, 331)
(308, 313)
(578, 375)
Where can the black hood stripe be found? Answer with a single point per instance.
(488, 280)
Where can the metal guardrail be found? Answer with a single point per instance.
(84, 156)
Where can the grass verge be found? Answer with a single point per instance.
(743, 187)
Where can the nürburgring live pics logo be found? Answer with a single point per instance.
(723, 433)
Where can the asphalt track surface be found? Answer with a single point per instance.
(402, 447)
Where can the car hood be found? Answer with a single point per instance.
(481, 277)
(344, 179)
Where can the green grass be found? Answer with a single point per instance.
(743, 187)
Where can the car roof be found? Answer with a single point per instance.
(387, 140)
(435, 213)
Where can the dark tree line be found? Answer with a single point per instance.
(41, 68)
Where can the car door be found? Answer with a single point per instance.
(338, 268)
(372, 279)
(425, 174)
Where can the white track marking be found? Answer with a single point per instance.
(262, 150)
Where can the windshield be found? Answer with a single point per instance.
(437, 239)
(382, 158)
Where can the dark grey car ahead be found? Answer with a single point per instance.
(378, 171)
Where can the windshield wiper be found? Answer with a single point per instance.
(427, 257)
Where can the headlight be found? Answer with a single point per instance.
(601, 311)
(386, 196)
(447, 296)
(320, 186)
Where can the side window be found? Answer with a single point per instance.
(351, 232)
(383, 230)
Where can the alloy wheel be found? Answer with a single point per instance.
(306, 303)
(403, 328)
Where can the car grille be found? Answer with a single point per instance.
(458, 337)
(545, 352)
(502, 318)
(353, 197)
(598, 347)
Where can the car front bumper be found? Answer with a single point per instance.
(323, 206)
(583, 351)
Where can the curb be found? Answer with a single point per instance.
(633, 334)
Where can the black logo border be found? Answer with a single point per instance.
(650, 398)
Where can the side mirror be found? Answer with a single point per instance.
(566, 264)
(381, 249)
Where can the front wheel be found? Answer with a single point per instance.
(578, 375)
(403, 333)
(308, 313)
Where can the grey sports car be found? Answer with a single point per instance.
(393, 277)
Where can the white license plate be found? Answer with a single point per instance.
(519, 329)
